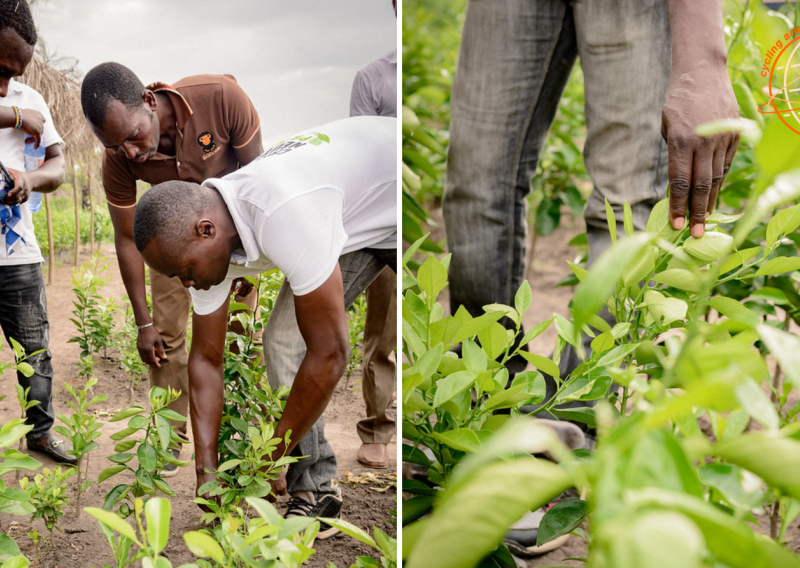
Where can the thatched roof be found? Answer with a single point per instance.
(61, 90)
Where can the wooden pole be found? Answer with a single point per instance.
(77, 196)
(51, 258)
(91, 205)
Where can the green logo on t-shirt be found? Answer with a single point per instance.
(313, 138)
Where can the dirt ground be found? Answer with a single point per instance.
(368, 497)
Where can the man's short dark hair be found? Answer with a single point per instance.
(16, 15)
(168, 211)
(106, 83)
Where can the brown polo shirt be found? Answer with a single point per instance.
(214, 116)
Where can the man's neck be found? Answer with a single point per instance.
(168, 128)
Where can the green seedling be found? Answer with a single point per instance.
(147, 437)
(130, 361)
(82, 428)
(94, 315)
(48, 494)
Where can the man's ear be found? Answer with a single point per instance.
(205, 229)
(149, 99)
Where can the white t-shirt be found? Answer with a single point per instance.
(12, 145)
(374, 90)
(308, 200)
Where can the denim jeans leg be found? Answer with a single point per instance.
(23, 317)
(515, 60)
(284, 350)
(624, 46)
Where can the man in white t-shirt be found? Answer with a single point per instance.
(321, 207)
(23, 305)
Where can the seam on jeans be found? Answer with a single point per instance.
(520, 147)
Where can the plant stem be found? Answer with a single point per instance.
(775, 520)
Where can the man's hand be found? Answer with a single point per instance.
(242, 287)
(697, 165)
(151, 346)
(699, 91)
(32, 125)
(278, 486)
(22, 189)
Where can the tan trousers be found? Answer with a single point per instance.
(379, 368)
(171, 305)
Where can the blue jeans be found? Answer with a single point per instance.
(515, 60)
(284, 350)
(23, 316)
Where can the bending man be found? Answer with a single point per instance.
(321, 207)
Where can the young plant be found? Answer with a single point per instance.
(94, 315)
(25, 405)
(82, 428)
(150, 433)
(355, 330)
(268, 540)
(384, 544)
(151, 540)
(48, 494)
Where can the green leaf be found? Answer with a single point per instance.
(542, 363)
(350, 530)
(582, 414)
(711, 246)
(535, 331)
(737, 259)
(783, 222)
(124, 457)
(202, 545)
(8, 548)
(772, 456)
(628, 218)
(786, 349)
(658, 223)
(432, 276)
(126, 413)
(494, 340)
(479, 510)
(25, 369)
(612, 222)
(734, 310)
(164, 431)
(451, 386)
(110, 472)
(562, 518)
(757, 404)
(679, 278)
(663, 310)
(462, 439)
(522, 300)
(779, 265)
(113, 522)
(146, 454)
(157, 513)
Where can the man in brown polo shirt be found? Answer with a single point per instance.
(200, 127)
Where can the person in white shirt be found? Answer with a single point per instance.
(321, 207)
(23, 306)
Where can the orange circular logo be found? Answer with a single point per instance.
(783, 87)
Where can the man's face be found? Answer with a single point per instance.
(15, 55)
(132, 132)
(200, 262)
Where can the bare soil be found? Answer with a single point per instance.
(368, 494)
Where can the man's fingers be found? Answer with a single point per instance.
(718, 175)
(702, 180)
(731, 152)
(680, 182)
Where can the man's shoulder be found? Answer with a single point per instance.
(198, 83)
(381, 64)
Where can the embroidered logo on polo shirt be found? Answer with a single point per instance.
(313, 138)
(206, 140)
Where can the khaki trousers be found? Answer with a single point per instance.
(379, 367)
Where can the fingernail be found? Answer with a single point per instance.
(677, 223)
(697, 230)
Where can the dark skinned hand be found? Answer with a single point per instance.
(278, 486)
(151, 346)
(21, 191)
(32, 125)
(697, 165)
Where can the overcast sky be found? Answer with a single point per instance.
(296, 59)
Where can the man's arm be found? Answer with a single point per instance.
(206, 388)
(699, 90)
(321, 319)
(32, 121)
(45, 180)
(251, 150)
(131, 267)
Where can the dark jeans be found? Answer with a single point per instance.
(23, 316)
(284, 350)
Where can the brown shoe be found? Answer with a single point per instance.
(54, 447)
(374, 455)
